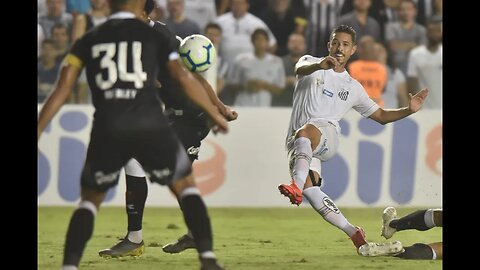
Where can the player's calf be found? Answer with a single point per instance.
(418, 251)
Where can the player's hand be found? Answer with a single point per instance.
(219, 123)
(329, 62)
(230, 114)
(416, 101)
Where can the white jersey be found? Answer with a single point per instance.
(427, 67)
(326, 95)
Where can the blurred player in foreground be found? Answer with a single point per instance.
(324, 93)
(420, 220)
(191, 125)
(122, 58)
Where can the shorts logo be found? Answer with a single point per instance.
(343, 94)
(101, 178)
(328, 93)
(330, 205)
(160, 174)
(193, 150)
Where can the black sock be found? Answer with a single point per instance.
(196, 217)
(415, 220)
(79, 232)
(135, 198)
(417, 251)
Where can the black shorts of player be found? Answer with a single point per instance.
(156, 147)
(191, 127)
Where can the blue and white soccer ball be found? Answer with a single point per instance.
(197, 53)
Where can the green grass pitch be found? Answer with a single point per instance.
(244, 239)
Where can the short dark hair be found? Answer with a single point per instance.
(259, 31)
(213, 25)
(149, 6)
(115, 4)
(345, 29)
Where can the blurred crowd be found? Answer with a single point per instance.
(399, 44)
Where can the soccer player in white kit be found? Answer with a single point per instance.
(324, 93)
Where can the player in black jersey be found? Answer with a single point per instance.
(122, 58)
(191, 125)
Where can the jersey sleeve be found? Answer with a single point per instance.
(168, 41)
(412, 65)
(78, 54)
(235, 73)
(307, 60)
(280, 74)
(364, 105)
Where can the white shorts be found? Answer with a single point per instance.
(325, 150)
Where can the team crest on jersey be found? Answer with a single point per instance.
(319, 81)
(343, 94)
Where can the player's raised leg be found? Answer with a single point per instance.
(300, 155)
(135, 197)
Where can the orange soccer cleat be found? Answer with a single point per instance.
(292, 192)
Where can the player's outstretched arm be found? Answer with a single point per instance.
(68, 76)
(308, 64)
(191, 88)
(227, 112)
(384, 116)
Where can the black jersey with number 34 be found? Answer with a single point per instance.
(122, 58)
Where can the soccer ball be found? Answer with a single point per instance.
(197, 53)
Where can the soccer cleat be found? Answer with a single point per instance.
(292, 192)
(358, 238)
(122, 249)
(210, 264)
(389, 214)
(180, 245)
(381, 249)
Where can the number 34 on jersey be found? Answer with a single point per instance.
(113, 70)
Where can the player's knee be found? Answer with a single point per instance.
(92, 196)
(178, 186)
(438, 217)
(302, 133)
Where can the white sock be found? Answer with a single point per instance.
(207, 255)
(328, 210)
(303, 155)
(135, 236)
(428, 218)
(69, 267)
